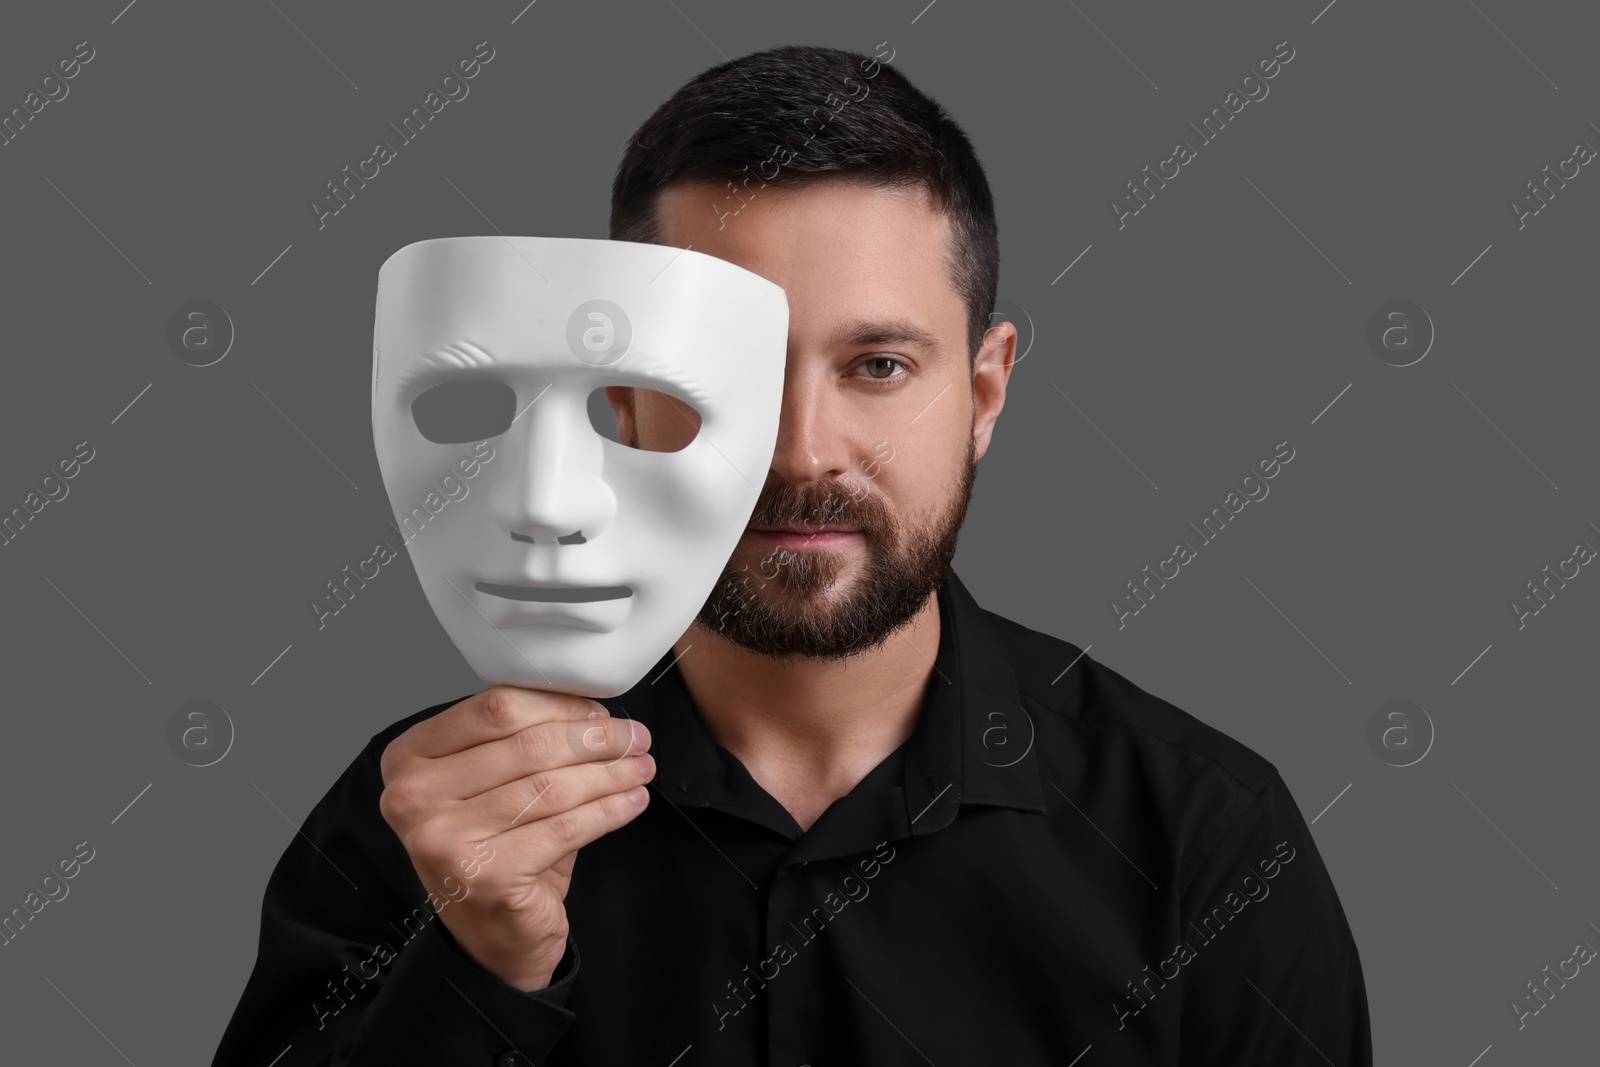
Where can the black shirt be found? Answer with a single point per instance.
(1056, 864)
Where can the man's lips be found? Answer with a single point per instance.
(804, 537)
(806, 529)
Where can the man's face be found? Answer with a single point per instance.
(882, 421)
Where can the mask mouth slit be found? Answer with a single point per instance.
(555, 594)
(575, 538)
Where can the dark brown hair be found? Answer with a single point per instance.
(746, 123)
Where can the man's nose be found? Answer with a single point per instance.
(813, 440)
(557, 490)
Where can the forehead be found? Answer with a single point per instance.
(841, 249)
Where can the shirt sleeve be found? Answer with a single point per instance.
(1271, 973)
(354, 969)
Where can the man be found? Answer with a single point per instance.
(883, 825)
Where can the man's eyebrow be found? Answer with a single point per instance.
(884, 332)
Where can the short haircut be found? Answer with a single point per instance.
(740, 121)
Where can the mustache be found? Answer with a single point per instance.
(817, 504)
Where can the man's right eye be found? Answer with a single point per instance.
(453, 413)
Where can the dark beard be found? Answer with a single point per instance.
(901, 572)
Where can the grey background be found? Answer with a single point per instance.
(1213, 326)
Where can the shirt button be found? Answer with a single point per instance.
(513, 1059)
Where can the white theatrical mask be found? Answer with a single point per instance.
(555, 558)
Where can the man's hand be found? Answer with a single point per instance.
(534, 776)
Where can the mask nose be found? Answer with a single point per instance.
(558, 493)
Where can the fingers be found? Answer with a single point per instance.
(540, 747)
(573, 804)
(541, 842)
(497, 712)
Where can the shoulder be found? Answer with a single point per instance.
(1131, 751)
(1090, 697)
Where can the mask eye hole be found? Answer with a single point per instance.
(667, 423)
(453, 413)
(601, 417)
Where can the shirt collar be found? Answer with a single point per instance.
(973, 742)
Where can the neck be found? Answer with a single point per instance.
(811, 729)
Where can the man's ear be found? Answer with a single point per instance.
(990, 373)
(620, 397)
